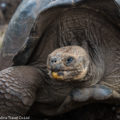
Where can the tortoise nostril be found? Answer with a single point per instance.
(53, 60)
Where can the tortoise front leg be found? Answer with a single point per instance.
(18, 86)
(97, 92)
(94, 93)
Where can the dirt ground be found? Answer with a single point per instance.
(89, 112)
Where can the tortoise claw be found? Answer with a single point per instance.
(102, 92)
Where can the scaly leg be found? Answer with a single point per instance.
(94, 93)
(18, 86)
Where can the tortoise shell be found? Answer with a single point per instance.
(23, 31)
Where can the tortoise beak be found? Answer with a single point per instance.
(56, 75)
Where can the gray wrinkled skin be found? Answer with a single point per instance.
(37, 29)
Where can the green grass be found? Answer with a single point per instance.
(2, 33)
(1, 39)
(0, 43)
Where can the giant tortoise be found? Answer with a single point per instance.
(58, 55)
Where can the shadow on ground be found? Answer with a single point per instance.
(89, 112)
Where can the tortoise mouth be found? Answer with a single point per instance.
(62, 70)
(64, 74)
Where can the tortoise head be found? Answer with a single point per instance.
(68, 63)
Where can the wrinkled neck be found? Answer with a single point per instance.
(96, 67)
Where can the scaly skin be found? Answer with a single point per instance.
(18, 87)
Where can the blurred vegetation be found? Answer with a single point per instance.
(3, 29)
(7, 9)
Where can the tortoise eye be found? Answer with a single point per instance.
(69, 60)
